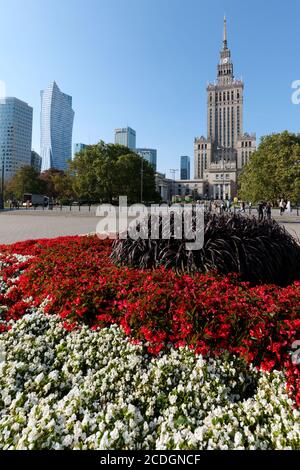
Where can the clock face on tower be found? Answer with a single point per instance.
(225, 61)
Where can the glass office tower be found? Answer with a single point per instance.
(185, 168)
(57, 117)
(150, 155)
(15, 135)
(126, 136)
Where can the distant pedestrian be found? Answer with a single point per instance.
(228, 206)
(260, 209)
(268, 210)
(282, 206)
(288, 207)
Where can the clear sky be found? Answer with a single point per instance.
(146, 63)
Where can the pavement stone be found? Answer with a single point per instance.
(24, 225)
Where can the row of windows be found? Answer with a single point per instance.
(202, 146)
(225, 72)
(245, 157)
(247, 144)
(225, 96)
(227, 176)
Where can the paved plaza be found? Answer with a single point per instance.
(25, 225)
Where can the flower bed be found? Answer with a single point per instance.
(73, 279)
(96, 390)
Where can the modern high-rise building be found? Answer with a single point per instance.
(221, 156)
(15, 135)
(185, 168)
(126, 136)
(150, 155)
(57, 117)
(36, 161)
(78, 147)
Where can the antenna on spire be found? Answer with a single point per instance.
(225, 34)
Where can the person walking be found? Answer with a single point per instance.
(260, 209)
(288, 207)
(282, 206)
(268, 210)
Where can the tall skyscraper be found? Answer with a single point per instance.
(15, 135)
(36, 161)
(126, 136)
(220, 157)
(78, 147)
(57, 117)
(150, 155)
(185, 168)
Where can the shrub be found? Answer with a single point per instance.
(260, 252)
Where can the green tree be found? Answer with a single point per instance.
(274, 170)
(26, 180)
(58, 184)
(103, 172)
(129, 171)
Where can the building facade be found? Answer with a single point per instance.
(78, 147)
(36, 161)
(185, 168)
(150, 155)
(15, 135)
(220, 157)
(57, 117)
(126, 136)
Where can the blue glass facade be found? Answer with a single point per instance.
(36, 161)
(126, 136)
(185, 168)
(15, 135)
(78, 148)
(150, 155)
(57, 117)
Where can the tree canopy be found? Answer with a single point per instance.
(103, 172)
(273, 171)
(26, 180)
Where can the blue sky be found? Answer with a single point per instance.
(146, 63)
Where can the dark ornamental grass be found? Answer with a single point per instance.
(260, 252)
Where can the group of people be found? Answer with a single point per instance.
(264, 210)
(285, 206)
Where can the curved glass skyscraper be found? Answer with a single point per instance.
(57, 117)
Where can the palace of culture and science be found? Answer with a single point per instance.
(219, 157)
